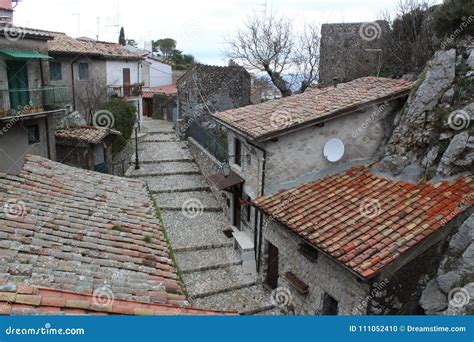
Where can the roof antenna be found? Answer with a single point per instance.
(98, 28)
(78, 15)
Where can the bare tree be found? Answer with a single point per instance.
(91, 97)
(268, 43)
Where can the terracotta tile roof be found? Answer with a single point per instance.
(366, 221)
(263, 120)
(76, 230)
(20, 31)
(88, 134)
(63, 44)
(34, 300)
(169, 89)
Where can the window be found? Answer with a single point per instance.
(33, 134)
(83, 71)
(238, 152)
(308, 251)
(55, 73)
(330, 305)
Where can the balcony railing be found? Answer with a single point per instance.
(29, 101)
(124, 91)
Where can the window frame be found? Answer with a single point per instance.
(238, 152)
(35, 137)
(81, 71)
(55, 72)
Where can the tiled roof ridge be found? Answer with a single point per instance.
(341, 229)
(315, 104)
(50, 300)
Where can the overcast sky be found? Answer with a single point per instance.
(200, 27)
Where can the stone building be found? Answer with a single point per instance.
(29, 103)
(206, 89)
(350, 50)
(281, 143)
(357, 243)
(86, 147)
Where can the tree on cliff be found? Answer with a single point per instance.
(268, 43)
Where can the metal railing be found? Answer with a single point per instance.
(123, 91)
(33, 100)
(212, 140)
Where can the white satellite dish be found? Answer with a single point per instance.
(333, 150)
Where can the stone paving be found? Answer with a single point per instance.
(211, 268)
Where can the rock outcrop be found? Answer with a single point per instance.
(451, 292)
(432, 135)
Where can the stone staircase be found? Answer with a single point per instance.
(212, 270)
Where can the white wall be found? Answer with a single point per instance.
(160, 73)
(115, 71)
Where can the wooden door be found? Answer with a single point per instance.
(272, 269)
(237, 195)
(126, 82)
(17, 73)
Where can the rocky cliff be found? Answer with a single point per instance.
(433, 138)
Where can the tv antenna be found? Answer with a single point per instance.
(78, 15)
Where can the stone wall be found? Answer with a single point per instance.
(209, 166)
(323, 276)
(344, 51)
(204, 89)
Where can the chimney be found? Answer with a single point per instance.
(6, 12)
(336, 81)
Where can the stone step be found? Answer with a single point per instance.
(176, 183)
(216, 281)
(152, 152)
(203, 229)
(152, 162)
(206, 259)
(177, 199)
(248, 300)
(202, 247)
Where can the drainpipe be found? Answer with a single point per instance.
(73, 88)
(259, 224)
(46, 127)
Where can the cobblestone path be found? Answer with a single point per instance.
(212, 270)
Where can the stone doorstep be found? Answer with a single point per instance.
(244, 245)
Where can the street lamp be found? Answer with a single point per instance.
(137, 162)
(225, 167)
